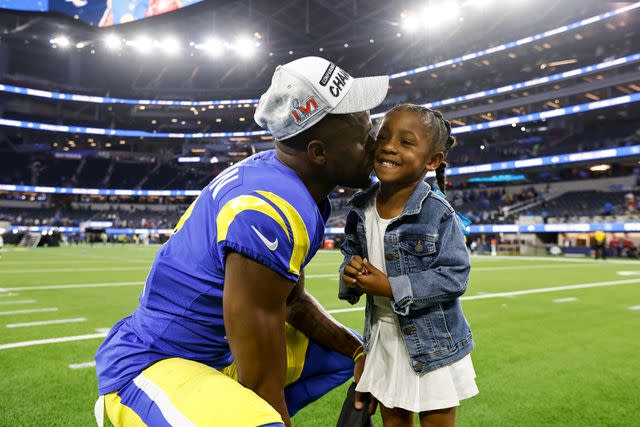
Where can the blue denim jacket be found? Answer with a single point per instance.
(428, 267)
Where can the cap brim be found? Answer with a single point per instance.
(365, 94)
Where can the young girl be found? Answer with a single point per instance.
(405, 250)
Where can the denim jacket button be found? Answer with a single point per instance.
(391, 256)
(418, 365)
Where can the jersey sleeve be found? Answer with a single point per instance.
(265, 228)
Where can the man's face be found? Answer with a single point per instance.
(350, 150)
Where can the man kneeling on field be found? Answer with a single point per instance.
(225, 334)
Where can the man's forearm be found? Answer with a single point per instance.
(310, 318)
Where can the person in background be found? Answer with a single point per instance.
(600, 239)
(616, 246)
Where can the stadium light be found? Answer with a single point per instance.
(143, 44)
(410, 23)
(478, 3)
(112, 42)
(61, 41)
(213, 46)
(245, 47)
(441, 11)
(170, 46)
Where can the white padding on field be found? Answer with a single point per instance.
(172, 414)
(46, 322)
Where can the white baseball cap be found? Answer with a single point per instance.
(303, 91)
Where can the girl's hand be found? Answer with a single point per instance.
(375, 282)
(353, 269)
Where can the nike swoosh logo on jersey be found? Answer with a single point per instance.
(271, 245)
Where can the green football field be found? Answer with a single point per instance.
(557, 340)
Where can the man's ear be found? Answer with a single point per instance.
(435, 161)
(317, 152)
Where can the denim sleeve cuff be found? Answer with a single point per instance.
(347, 293)
(402, 294)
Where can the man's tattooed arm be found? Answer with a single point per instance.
(309, 317)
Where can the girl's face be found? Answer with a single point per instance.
(404, 149)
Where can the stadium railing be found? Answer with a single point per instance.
(525, 118)
(608, 153)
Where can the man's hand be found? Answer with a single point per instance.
(373, 281)
(363, 399)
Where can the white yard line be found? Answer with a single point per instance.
(74, 286)
(532, 267)
(10, 294)
(569, 299)
(91, 364)
(552, 289)
(51, 341)
(552, 259)
(74, 262)
(71, 270)
(522, 292)
(345, 310)
(46, 322)
(634, 307)
(34, 310)
(21, 301)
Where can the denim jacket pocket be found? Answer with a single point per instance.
(417, 251)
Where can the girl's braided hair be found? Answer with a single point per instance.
(440, 129)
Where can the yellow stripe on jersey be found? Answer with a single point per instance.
(185, 216)
(298, 228)
(246, 203)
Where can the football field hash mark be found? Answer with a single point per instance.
(91, 364)
(570, 299)
(21, 301)
(46, 322)
(51, 341)
(33, 310)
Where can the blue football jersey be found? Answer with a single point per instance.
(259, 208)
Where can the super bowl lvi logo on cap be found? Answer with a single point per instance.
(301, 113)
(304, 91)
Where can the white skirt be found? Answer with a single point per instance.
(388, 375)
